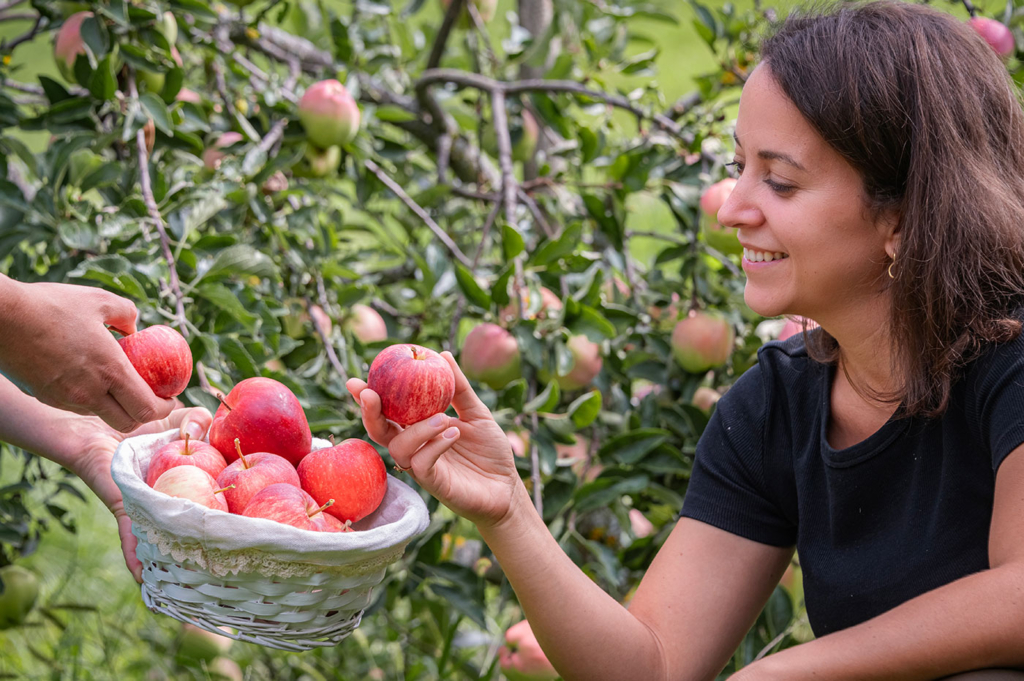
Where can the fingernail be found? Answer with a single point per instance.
(451, 433)
(436, 420)
(194, 430)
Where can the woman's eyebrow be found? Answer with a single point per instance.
(768, 155)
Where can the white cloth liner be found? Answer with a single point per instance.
(223, 543)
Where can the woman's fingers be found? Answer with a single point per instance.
(377, 427)
(425, 457)
(410, 440)
(129, 542)
(355, 386)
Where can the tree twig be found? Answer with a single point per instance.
(331, 354)
(41, 22)
(165, 241)
(4, 6)
(451, 15)
(418, 210)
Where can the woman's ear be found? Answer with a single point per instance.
(889, 227)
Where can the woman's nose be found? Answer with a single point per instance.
(740, 209)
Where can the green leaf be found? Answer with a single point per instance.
(593, 324)
(78, 235)
(467, 283)
(233, 349)
(157, 110)
(511, 241)
(240, 260)
(545, 402)
(560, 247)
(227, 300)
(585, 409)
(394, 114)
(103, 84)
(513, 396)
(604, 491)
(631, 447)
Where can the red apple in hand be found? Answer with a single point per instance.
(289, 505)
(266, 417)
(185, 453)
(193, 483)
(413, 383)
(162, 357)
(249, 474)
(351, 473)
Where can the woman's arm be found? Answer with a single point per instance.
(973, 623)
(697, 600)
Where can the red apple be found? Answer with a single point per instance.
(193, 483)
(329, 114)
(702, 341)
(714, 197)
(318, 315)
(185, 453)
(266, 417)
(162, 357)
(287, 504)
(366, 324)
(69, 44)
(413, 383)
(351, 473)
(251, 473)
(721, 238)
(490, 355)
(704, 398)
(586, 364)
(996, 34)
(186, 95)
(534, 308)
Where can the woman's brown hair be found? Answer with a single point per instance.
(923, 108)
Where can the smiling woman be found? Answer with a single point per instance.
(892, 214)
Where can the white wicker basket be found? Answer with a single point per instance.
(266, 582)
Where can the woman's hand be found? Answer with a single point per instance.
(466, 463)
(92, 464)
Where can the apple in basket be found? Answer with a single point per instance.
(351, 473)
(252, 472)
(193, 483)
(185, 453)
(413, 383)
(289, 505)
(266, 417)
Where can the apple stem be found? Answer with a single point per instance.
(220, 398)
(186, 445)
(238, 448)
(321, 509)
(331, 438)
(222, 489)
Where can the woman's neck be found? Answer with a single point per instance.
(865, 350)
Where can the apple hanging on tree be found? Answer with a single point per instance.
(265, 416)
(69, 44)
(351, 473)
(329, 114)
(18, 595)
(413, 383)
(702, 341)
(490, 355)
(162, 357)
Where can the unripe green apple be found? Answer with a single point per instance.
(524, 138)
(318, 162)
(723, 239)
(702, 341)
(329, 114)
(69, 44)
(153, 80)
(20, 590)
(490, 355)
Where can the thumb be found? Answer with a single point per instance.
(120, 313)
(194, 421)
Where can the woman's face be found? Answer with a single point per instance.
(798, 200)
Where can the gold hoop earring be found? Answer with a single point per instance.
(891, 264)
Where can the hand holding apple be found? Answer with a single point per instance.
(413, 382)
(250, 473)
(57, 346)
(466, 463)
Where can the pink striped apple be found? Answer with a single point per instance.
(413, 383)
(490, 355)
(702, 341)
(185, 453)
(162, 357)
(287, 504)
(329, 114)
(366, 324)
(250, 473)
(194, 484)
(586, 364)
(351, 473)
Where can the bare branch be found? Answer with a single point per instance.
(165, 241)
(508, 178)
(682, 106)
(273, 137)
(418, 210)
(23, 16)
(4, 6)
(538, 214)
(450, 17)
(331, 354)
(41, 23)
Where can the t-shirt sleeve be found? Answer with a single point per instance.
(1000, 399)
(727, 485)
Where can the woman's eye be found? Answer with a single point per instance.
(735, 167)
(779, 188)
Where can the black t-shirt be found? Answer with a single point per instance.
(901, 513)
